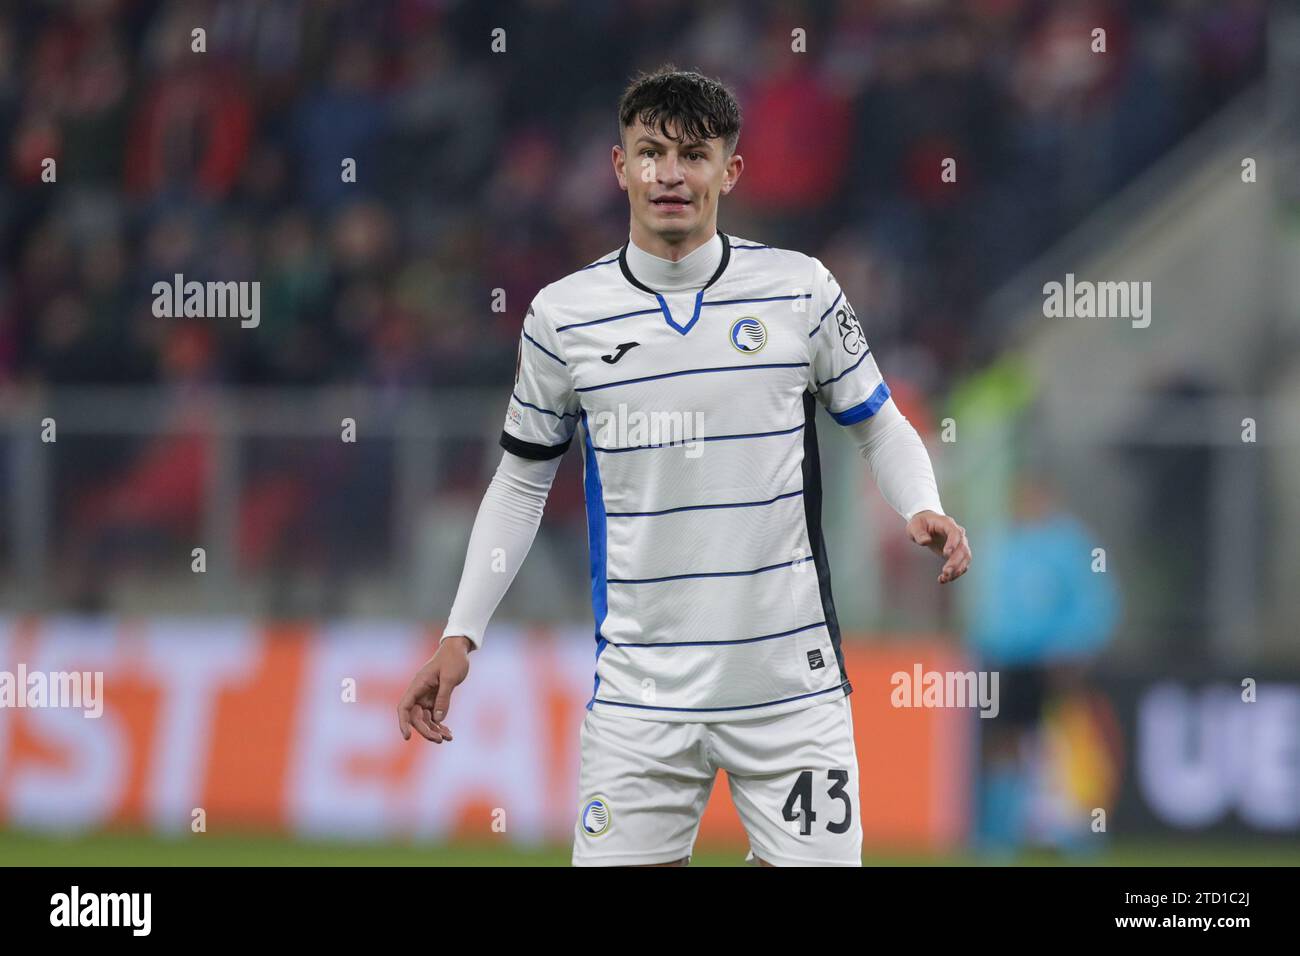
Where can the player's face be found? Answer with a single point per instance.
(673, 187)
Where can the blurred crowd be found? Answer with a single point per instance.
(480, 170)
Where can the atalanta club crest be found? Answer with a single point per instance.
(595, 816)
(748, 334)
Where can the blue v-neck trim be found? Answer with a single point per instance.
(668, 315)
(699, 296)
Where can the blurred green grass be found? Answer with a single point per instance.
(136, 849)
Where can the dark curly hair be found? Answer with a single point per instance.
(702, 108)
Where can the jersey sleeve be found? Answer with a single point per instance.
(843, 372)
(543, 409)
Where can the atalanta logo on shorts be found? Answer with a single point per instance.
(748, 334)
(595, 816)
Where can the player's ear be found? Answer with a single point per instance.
(735, 166)
(620, 172)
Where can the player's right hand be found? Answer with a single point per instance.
(427, 700)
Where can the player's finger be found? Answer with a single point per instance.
(965, 552)
(956, 565)
(442, 702)
(437, 724)
(421, 723)
(954, 539)
(404, 714)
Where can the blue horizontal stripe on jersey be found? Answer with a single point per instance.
(545, 349)
(865, 409)
(709, 574)
(745, 640)
(770, 703)
(687, 441)
(730, 504)
(692, 371)
(603, 262)
(846, 371)
(547, 411)
(660, 310)
(770, 298)
(826, 313)
(611, 318)
(752, 247)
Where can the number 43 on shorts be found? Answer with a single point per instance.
(802, 794)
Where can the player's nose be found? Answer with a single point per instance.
(670, 171)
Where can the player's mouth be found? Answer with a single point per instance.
(674, 203)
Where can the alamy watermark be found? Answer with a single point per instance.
(922, 688)
(73, 690)
(208, 300)
(623, 429)
(1100, 300)
(129, 910)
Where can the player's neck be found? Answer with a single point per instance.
(690, 271)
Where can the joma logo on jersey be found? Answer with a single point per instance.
(637, 429)
(619, 352)
(748, 334)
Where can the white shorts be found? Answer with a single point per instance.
(794, 781)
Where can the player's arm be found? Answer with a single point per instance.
(846, 380)
(901, 467)
(540, 421)
(503, 533)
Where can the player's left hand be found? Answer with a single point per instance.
(945, 538)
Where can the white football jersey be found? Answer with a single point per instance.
(695, 413)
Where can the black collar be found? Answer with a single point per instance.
(717, 273)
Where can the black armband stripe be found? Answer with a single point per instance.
(528, 449)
